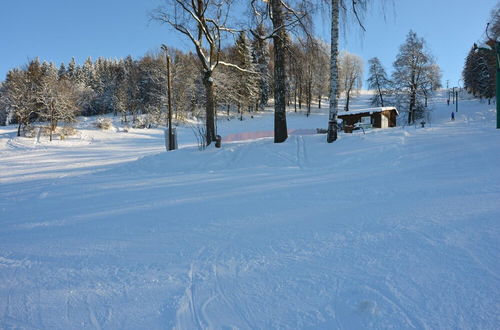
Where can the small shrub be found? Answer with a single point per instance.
(66, 131)
(104, 123)
(140, 122)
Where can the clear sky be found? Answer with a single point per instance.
(56, 30)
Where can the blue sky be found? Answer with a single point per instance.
(56, 30)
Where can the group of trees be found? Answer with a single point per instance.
(415, 77)
(277, 58)
(479, 72)
(40, 91)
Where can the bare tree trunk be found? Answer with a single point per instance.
(411, 112)
(210, 106)
(300, 96)
(295, 99)
(280, 128)
(380, 93)
(334, 73)
(348, 98)
(309, 96)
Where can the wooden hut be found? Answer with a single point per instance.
(381, 117)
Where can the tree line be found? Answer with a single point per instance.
(43, 91)
(278, 58)
(480, 68)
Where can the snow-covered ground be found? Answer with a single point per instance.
(395, 228)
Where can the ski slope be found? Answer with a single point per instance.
(395, 228)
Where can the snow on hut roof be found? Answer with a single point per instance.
(366, 110)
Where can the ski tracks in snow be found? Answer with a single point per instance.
(204, 304)
(302, 159)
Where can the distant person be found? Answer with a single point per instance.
(452, 115)
(448, 101)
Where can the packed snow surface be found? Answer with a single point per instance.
(395, 228)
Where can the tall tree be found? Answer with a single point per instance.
(334, 73)
(3, 105)
(204, 23)
(355, 8)
(377, 81)
(57, 99)
(18, 98)
(278, 19)
(247, 83)
(261, 60)
(283, 15)
(479, 72)
(351, 73)
(413, 68)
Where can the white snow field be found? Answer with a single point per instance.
(396, 228)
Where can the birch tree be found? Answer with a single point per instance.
(348, 6)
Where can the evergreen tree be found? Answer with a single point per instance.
(479, 72)
(62, 73)
(247, 81)
(71, 68)
(19, 95)
(261, 60)
(3, 105)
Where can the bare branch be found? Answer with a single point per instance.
(237, 67)
(356, 14)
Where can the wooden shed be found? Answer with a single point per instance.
(381, 117)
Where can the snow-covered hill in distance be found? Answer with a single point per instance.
(395, 228)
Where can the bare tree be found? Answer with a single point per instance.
(415, 75)
(378, 81)
(351, 73)
(58, 100)
(204, 23)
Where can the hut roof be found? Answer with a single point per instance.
(366, 110)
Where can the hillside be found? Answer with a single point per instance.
(395, 228)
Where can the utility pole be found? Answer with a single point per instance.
(448, 91)
(453, 94)
(171, 142)
(171, 137)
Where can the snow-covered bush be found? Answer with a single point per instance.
(140, 122)
(104, 123)
(66, 131)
